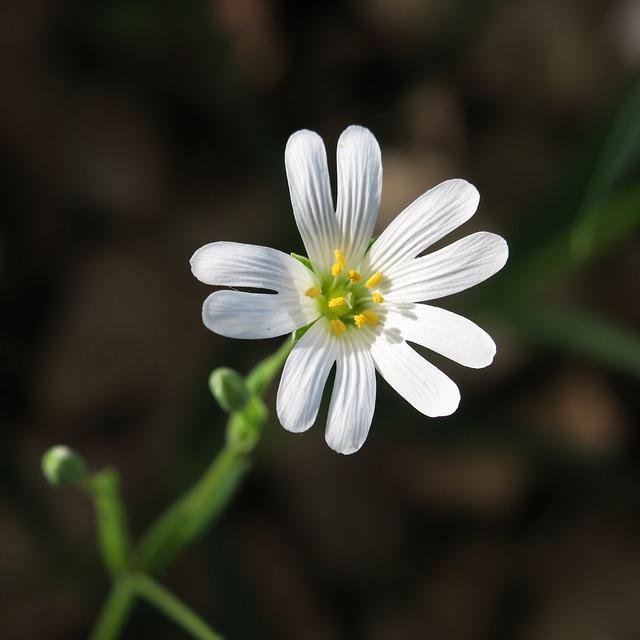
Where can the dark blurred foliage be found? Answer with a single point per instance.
(133, 132)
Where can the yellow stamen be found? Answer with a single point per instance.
(337, 327)
(338, 265)
(313, 292)
(354, 276)
(371, 316)
(360, 320)
(337, 302)
(377, 298)
(373, 280)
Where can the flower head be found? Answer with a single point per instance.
(361, 304)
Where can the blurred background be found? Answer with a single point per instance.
(133, 132)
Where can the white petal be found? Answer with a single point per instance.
(420, 383)
(304, 377)
(233, 264)
(359, 190)
(425, 221)
(237, 314)
(457, 267)
(354, 396)
(306, 163)
(444, 332)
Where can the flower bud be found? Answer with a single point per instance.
(229, 389)
(63, 467)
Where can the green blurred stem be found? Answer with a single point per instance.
(118, 606)
(261, 376)
(186, 519)
(619, 152)
(552, 259)
(192, 513)
(111, 522)
(195, 511)
(115, 610)
(173, 608)
(578, 332)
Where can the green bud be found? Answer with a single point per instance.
(63, 467)
(244, 429)
(229, 389)
(242, 435)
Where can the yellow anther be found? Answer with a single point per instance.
(337, 327)
(338, 265)
(313, 292)
(373, 280)
(360, 320)
(377, 297)
(337, 302)
(371, 316)
(354, 276)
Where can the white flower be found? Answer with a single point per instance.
(361, 304)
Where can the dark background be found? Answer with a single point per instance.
(132, 132)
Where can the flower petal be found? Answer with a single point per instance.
(237, 314)
(421, 384)
(425, 221)
(359, 190)
(457, 267)
(308, 176)
(444, 332)
(354, 396)
(304, 377)
(234, 264)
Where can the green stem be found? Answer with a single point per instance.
(181, 523)
(262, 375)
(115, 611)
(620, 150)
(111, 522)
(173, 608)
(194, 512)
(578, 332)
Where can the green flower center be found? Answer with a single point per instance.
(346, 299)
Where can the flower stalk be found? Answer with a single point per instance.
(114, 538)
(182, 523)
(192, 514)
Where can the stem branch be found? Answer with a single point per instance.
(173, 608)
(115, 611)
